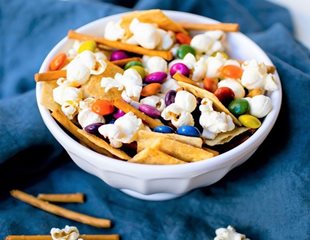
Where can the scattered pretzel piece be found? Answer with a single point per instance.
(65, 198)
(60, 211)
(48, 237)
(124, 61)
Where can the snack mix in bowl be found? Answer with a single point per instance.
(150, 90)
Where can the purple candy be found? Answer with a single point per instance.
(180, 68)
(149, 110)
(118, 55)
(93, 128)
(118, 114)
(169, 97)
(156, 77)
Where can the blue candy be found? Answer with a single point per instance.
(163, 129)
(188, 131)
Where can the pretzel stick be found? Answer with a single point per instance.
(126, 107)
(226, 27)
(60, 211)
(120, 45)
(124, 61)
(50, 75)
(65, 198)
(181, 78)
(48, 237)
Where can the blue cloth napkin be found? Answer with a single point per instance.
(267, 198)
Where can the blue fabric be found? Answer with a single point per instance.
(267, 197)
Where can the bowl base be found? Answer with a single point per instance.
(151, 197)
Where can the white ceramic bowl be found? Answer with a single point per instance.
(163, 182)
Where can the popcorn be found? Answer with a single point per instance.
(144, 34)
(167, 39)
(154, 101)
(255, 76)
(229, 233)
(155, 64)
(113, 31)
(68, 233)
(214, 64)
(177, 116)
(208, 42)
(260, 105)
(63, 94)
(179, 112)
(186, 101)
(124, 130)
(213, 122)
(169, 84)
(87, 116)
(234, 85)
(70, 109)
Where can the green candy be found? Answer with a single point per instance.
(185, 49)
(140, 70)
(132, 63)
(238, 107)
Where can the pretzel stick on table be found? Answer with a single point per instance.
(48, 237)
(65, 198)
(226, 27)
(60, 211)
(120, 45)
(50, 75)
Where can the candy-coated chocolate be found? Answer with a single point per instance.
(238, 107)
(188, 131)
(118, 55)
(225, 95)
(210, 84)
(102, 107)
(58, 62)
(163, 129)
(87, 45)
(183, 38)
(119, 113)
(150, 89)
(93, 128)
(180, 68)
(249, 121)
(231, 71)
(149, 110)
(140, 70)
(170, 97)
(156, 77)
(132, 63)
(185, 49)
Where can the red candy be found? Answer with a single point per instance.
(225, 95)
(210, 84)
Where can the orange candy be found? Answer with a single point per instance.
(210, 84)
(102, 107)
(150, 89)
(183, 38)
(231, 71)
(58, 62)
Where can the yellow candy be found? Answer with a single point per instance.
(249, 121)
(87, 45)
(140, 70)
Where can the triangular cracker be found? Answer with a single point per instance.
(225, 137)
